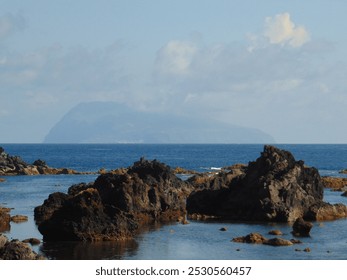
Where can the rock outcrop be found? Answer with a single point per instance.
(335, 183)
(257, 238)
(16, 250)
(5, 219)
(275, 187)
(14, 165)
(115, 206)
(301, 227)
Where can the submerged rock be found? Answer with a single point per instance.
(115, 206)
(275, 187)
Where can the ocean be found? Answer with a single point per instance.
(196, 240)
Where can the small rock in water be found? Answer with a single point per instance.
(307, 250)
(223, 229)
(19, 218)
(301, 227)
(297, 250)
(32, 241)
(275, 232)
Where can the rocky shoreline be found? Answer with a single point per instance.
(15, 165)
(273, 188)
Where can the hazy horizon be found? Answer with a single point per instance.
(276, 66)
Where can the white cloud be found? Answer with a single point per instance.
(280, 29)
(175, 57)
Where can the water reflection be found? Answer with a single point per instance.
(88, 250)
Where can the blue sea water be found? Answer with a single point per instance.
(197, 240)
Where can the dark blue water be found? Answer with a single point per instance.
(196, 240)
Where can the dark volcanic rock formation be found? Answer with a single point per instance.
(301, 227)
(14, 165)
(275, 187)
(115, 205)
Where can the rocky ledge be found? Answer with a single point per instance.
(14, 165)
(115, 206)
(16, 250)
(275, 187)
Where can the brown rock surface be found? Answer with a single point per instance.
(335, 183)
(257, 238)
(5, 219)
(275, 187)
(115, 206)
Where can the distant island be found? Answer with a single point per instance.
(110, 122)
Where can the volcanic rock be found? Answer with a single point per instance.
(115, 206)
(301, 227)
(275, 187)
(19, 218)
(255, 237)
(16, 250)
(335, 183)
(5, 219)
(14, 165)
(275, 232)
(278, 242)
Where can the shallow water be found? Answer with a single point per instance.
(197, 240)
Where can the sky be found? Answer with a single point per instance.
(278, 66)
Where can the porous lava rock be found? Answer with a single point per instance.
(116, 205)
(275, 187)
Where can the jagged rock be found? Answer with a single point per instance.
(275, 187)
(14, 165)
(344, 171)
(17, 250)
(115, 206)
(5, 219)
(301, 227)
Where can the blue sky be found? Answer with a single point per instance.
(279, 66)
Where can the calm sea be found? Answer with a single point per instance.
(197, 240)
